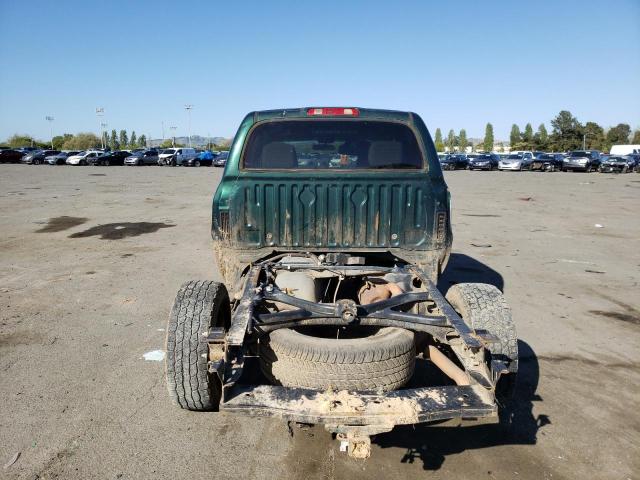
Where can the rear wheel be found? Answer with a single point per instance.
(483, 306)
(199, 306)
(196, 163)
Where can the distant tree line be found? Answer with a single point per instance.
(567, 133)
(81, 141)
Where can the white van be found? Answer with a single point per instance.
(175, 156)
(624, 149)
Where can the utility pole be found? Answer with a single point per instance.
(173, 135)
(100, 114)
(50, 120)
(188, 108)
(103, 134)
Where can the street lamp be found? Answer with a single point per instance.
(103, 134)
(100, 114)
(50, 120)
(188, 108)
(173, 135)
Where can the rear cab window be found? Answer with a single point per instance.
(332, 145)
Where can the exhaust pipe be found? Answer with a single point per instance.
(449, 368)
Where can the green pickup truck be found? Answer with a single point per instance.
(331, 227)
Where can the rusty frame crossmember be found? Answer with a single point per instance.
(475, 400)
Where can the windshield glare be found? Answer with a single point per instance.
(332, 144)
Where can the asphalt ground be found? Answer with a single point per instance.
(91, 259)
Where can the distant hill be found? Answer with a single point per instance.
(196, 141)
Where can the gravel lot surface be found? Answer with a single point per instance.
(91, 258)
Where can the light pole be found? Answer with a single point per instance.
(173, 135)
(162, 131)
(188, 108)
(103, 134)
(50, 120)
(100, 114)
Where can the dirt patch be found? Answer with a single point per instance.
(118, 231)
(58, 224)
(24, 337)
(623, 317)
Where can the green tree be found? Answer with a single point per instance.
(463, 142)
(527, 136)
(142, 141)
(487, 144)
(82, 141)
(593, 136)
(451, 140)
(59, 140)
(123, 139)
(618, 135)
(18, 140)
(113, 140)
(439, 144)
(514, 137)
(541, 138)
(133, 141)
(567, 132)
(636, 138)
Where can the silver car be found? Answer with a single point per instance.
(516, 161)
(147, 157)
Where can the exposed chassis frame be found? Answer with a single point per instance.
(355, 415)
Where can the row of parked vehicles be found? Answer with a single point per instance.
(169, 156)
(576, 160)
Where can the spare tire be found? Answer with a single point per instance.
(382, 361)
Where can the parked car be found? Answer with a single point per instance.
(617, 164)
(547, 162)
(175, 156)
(453, 161)
(83, 158)
(221, 159)
(204, 158)
(37, 157)
(584, 160)
(516, 161)
(11, 155)
(483, 161)
(59, 158)
(28, 156)
(144, 157)
(112, 157)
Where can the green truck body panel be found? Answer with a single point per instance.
(257, 212)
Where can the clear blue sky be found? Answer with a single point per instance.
(458, 64)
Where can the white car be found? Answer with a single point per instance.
(516, 161)
(175, 156)
(83, 158)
